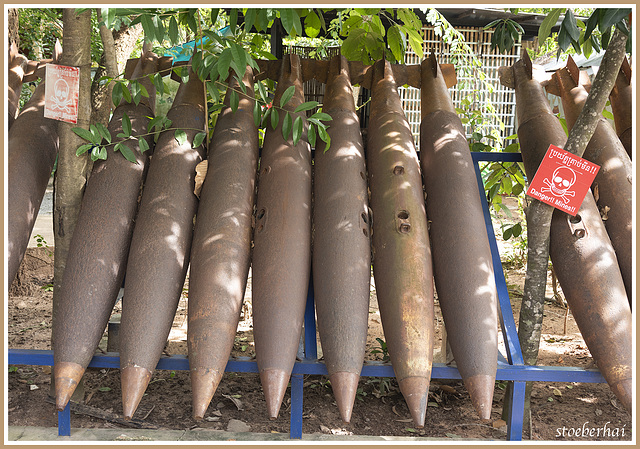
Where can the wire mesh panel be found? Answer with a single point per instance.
(478, 88)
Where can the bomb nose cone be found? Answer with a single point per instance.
(480, 388)
(416, 392)
(622, 390)
(344, 385)
(204, 384)
(134, 381)
(274, 383)
(66, 375)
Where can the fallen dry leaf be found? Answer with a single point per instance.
(237, 402)
(498, 423)
(201, 172)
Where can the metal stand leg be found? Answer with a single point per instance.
(516, 415)
(64, 421)
(295, 431)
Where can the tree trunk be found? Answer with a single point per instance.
(71, 174)
(118, 45)
(539, 214)
(13, 26)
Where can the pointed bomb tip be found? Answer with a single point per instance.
(134, 381)
(480, 388)
(344, 385)
(416, 392)
(623, 392)
(274, 383)
(66, 376)
(204, 383)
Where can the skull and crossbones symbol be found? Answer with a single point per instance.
(562, 179)
(61, 98)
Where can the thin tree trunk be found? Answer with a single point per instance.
(538, 214)
(71, 174)
(117, 45)
(13, 26)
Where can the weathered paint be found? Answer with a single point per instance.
(282, 245)
(160, 245)
(401, 253)
(462, 263)
(341, 245)
(221, 250)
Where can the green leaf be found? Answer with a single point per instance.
(607, 114)
(415, 40)
(569, 23)
(262, 22)
(312, 136)
(233, 20)
(257, 113)
(136, 92)
(158, 83)
(591, 23)
(84, 133)
(198, 139)
(612, 16)
(275, 118)
(240, 58)
(173, 31)
(516, 230)
(286, 126)
(353, 44)
(312, 24)
(125, 93)
(507, 233)
(116, 95)
(213, 91)
(306, 106)
(147, 26)
(214, 15)
(324, 135)
(545, 28)
(298, 127)
(262, 91)
(321, 116)
(84, 148)
(181, 136)
(394, 39)
(159, 31)
(249, 19)
(287, 95)
(126, 152)
(104, 132)
(492, 24)
(234, 100)
(224, 62)
(142, 144)
(126, 125)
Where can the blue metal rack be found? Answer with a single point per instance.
(511, 369)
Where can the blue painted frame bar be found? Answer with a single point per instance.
(512, 369)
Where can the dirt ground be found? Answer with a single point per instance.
(558, 409)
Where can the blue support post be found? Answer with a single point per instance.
(516, 412)
(64, 421)
(295, 430)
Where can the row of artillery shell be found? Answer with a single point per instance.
(282, 253)
(581, 251)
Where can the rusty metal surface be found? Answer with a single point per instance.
(401, 253)
(585, 263)
(282, 246)
(341, 246)
(612, 186)
(581, 252)
(621, 102)
(32, 150)
(17, 65)
(161, 241)
(100, 244)
(221, 250)
(462, 262)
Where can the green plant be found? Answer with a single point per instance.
(42, 243)
(381, 349)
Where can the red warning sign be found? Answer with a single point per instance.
(563, 180)
(61, 93)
